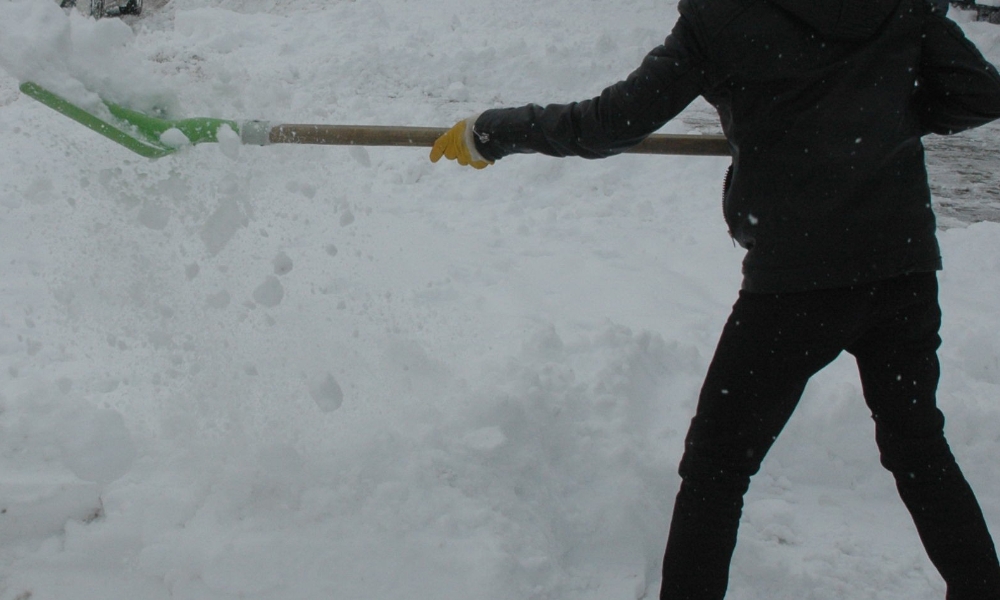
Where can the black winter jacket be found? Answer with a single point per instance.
(823, 103)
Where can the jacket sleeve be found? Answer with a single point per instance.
(668, 79)
(957, 88)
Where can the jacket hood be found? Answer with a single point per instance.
(842, 19)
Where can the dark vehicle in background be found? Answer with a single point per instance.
(109, 8)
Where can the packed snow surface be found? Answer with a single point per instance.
(303, 372)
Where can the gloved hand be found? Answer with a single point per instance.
(457, 144)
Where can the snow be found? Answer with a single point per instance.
(306, 372)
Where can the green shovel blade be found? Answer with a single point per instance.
(140, 133)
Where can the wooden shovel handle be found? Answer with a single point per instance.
(382, 135)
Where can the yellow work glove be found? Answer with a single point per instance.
(457, 144)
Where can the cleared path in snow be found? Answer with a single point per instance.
(965, 175)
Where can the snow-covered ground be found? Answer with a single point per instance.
(319, 372)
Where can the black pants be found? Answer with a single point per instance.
(770, 347)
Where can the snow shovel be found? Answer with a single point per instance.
(154, 137)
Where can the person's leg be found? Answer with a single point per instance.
(899, 370)
(769, 348)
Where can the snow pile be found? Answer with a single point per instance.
(76, 56)
(302, 372)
